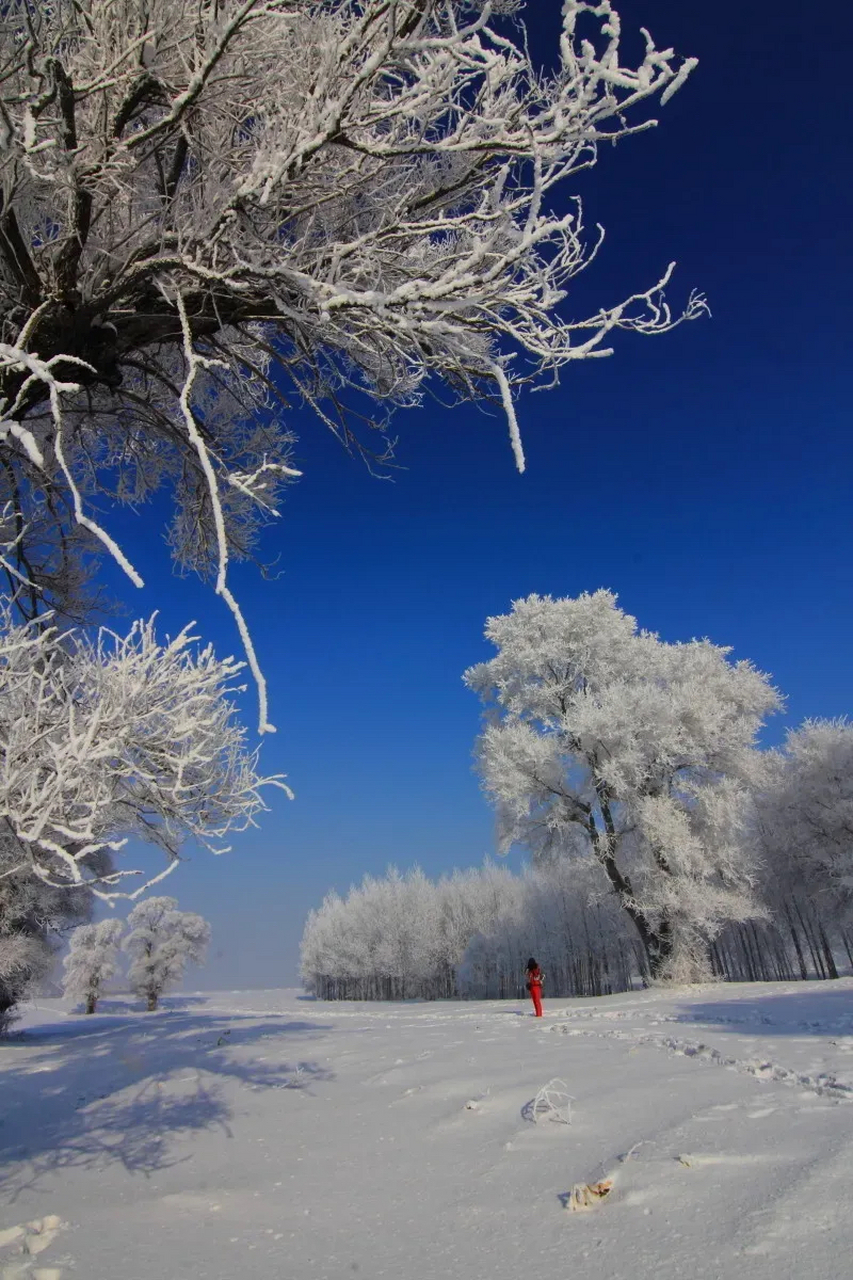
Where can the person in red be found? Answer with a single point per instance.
(535, 977)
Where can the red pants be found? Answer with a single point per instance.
(535, 989)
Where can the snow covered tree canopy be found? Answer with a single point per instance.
(602, 739)
(161, 943)
(92, 959)
(109, 738)
(212, 208)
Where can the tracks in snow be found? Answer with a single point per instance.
(824, 1085)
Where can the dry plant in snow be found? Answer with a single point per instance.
(213, 210)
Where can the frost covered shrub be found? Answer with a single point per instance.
(92, 960)
(161, 943)
(25, 959)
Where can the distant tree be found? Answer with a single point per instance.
(211, 210)
(161, 943)
(106, 738)
(601, 740)
(92, 959)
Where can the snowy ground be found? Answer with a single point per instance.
(260, 1134)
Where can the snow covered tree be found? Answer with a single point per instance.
(601, 740)
(213, 209)
(806, 824)
(106, 738)
(92, 960)
(161, 943)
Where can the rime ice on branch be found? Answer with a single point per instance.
(214, 210)
(107, 738)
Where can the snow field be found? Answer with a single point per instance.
(257, 1134)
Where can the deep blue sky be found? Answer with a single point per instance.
(705, 476)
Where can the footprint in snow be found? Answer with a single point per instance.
(21, 1245)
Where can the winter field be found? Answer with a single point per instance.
(248, 1135)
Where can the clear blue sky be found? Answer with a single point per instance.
(705, 476)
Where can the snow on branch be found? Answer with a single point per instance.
(116, 737)
(212, 212)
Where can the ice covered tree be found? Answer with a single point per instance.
(806, 823)
(601, 740)
(92, 959)
(214, 209)
(106, 738)
(161, 943)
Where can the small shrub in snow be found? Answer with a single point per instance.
(91, 961)
(32, 916)
(161, 942)
(552, 1102)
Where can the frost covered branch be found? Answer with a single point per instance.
(214, 211)
(116, 737)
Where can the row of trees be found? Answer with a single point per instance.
(161, 942)
(629, 770)
(468, 934)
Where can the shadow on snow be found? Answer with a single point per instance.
(121, 1089)
(810, 1010)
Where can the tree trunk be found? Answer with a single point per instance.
(831, 967)
(152, 1001)
(659, 945)
(91, 1001)
(657, 942)
(801, 960)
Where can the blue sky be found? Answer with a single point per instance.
(704, 475)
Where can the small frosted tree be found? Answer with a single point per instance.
(212, 210)
(601, 740)
(161, 943)
(92, 960)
